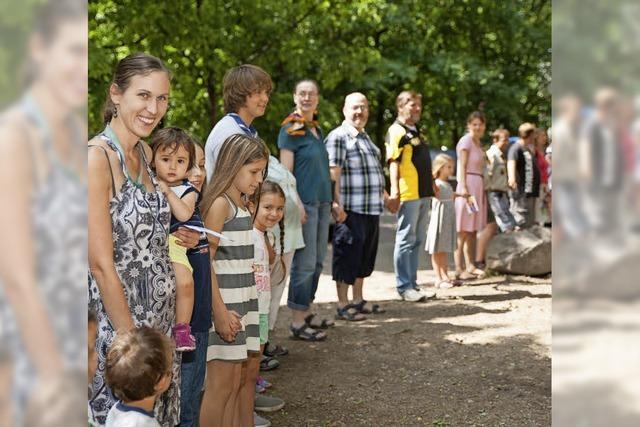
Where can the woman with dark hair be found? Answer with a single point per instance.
(303, 152)
(43, 245)
(471, 209)
(131, 282)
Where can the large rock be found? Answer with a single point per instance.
(522, 252)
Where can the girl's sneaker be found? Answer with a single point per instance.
(182, 335)
(262, 385)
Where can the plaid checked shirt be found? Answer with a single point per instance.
(361, 181)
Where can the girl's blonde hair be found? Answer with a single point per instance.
(236, 151)
(439, 162)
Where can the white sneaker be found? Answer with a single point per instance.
(266, 403)
(413, 296)
(427, 294)
(258, 421)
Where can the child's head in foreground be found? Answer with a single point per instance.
(139, 364)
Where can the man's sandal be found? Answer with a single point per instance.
(304, 333)
(375, 308)
(324, 324)
(349, 313)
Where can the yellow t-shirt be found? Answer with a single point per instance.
(405, 146)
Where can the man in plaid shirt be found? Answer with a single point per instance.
(358, 200)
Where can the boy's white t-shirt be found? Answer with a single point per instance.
(226, 127)
(261, 271)
(122, 415)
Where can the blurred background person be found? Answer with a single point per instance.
(43, 253)
(602, 163)
(523, 176)
(566, 182)
(542, 215)
(635, 134)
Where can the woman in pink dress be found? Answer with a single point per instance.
(470, 217)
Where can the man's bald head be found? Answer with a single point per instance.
(356, 110)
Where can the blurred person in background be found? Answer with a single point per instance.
(496, 180)
(548, 156)
(602, 163)
(43, 251)
(544, 198)
(523, 176)
(626, 116)
(635, 133)
(570, 217)
(495, 183)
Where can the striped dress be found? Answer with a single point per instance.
(233, 265)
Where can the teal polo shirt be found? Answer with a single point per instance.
(311, 164)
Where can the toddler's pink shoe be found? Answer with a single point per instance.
(182, 335)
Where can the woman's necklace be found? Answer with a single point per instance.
(108, 131)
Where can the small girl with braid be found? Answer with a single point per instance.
(268, 213)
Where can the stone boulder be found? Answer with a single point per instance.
(525, 252)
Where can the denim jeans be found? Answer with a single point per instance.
(411, 234)
(523, 209)
(194, 365)
(307, 262)
(499, 202)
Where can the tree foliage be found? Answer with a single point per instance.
(461, 55)
(16, 24)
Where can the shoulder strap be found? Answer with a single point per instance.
(113, 182)
(112, 145)
(34, 115)
(233, 206)
(147, 166)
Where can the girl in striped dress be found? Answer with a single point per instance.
(234, 339)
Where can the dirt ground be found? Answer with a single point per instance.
(478, 355)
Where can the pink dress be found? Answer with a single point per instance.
(476, 221)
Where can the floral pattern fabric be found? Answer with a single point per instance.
(140, 221)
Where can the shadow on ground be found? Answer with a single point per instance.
(402, 369)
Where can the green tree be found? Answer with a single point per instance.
(461, 55)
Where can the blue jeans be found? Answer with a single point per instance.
(499, 202)
(413, 220)
(307, 262)
(194, 366)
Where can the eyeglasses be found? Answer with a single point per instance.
(305, 94)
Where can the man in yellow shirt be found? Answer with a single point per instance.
(412, 188)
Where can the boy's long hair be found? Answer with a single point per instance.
(242, 81)
(270, 187)
(236, 151)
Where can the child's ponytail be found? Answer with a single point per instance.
(281, 225)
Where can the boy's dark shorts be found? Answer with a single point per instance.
(355, 245)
